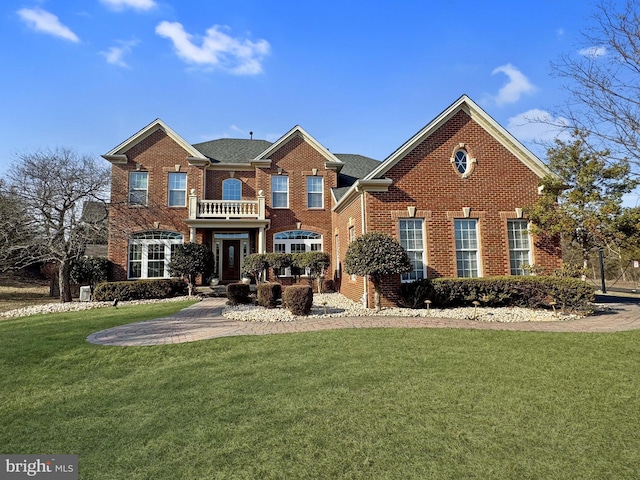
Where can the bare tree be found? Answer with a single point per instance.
(49, 189)
(604, 80)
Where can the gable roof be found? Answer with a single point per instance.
(464, 103)
(232, 150)
(331, 160)
(117, 155)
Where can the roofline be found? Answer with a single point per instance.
(472, 109)
(332, 162)
(363, 185)
(117, 155)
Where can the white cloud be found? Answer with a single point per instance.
(216, 49)
(593, 52)
(114, 55)
(119, 5)
(46, 22)
(537, 126)
(517, 85)
(560, 32)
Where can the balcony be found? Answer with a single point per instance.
(226, 209)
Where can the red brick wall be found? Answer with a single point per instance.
(296, 159)
(157, 154)
(426, 179)
(351, 287)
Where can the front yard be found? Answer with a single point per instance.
(373, 403)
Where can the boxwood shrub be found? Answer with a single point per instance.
(298, 299)
(238, 293)
(269, 294)
(526, 291)
(139, 289)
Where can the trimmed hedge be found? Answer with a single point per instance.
(527, 291)
(269, 294)
(238, 293)
(139, 290)
(298, 299)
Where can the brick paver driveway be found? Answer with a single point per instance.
(204, 320)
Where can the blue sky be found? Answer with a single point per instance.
(361, 77)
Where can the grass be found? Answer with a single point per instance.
(356, 404)
(18, 290)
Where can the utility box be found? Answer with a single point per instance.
(85, 294)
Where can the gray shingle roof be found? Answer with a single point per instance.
(355, 167)
(232, 150)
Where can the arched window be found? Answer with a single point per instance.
(232, 189)
(296, 241)
(150, 253)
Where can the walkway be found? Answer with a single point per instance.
(204, 320)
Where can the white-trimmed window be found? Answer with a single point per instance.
(138, 187)
(280, 191)
(412, 239)
(466, 233)
(315, 192)
(150, 253)
(519, 246)
(296, 241)
(177, 189)
(232, 189)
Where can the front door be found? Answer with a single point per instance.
(231, 260)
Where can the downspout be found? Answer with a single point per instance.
(364, 230)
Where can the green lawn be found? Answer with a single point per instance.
(369, 404)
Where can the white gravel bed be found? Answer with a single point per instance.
(78, 306)
(330, 305)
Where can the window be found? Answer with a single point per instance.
(412, 240)
(466, 247)
(232, 189)
(150, 253)
(177, 189)
(138, 185)
(280, 191)
(352, 234)
(461, 161)
(296, 241)
(519, 246)
(315, 192)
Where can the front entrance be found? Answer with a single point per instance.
(230, 260)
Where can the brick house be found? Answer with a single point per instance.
(453, 195)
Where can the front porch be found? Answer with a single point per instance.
(232, 228)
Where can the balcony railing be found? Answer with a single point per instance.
(226, 209)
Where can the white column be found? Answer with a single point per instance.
(192, 234)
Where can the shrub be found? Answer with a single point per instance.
(316, 263)
(376, 254)
(278, 261)
(190, 260)
(530, 292)
(139, 290)
(255, 264)
(298, 299)
(238, 293)
(269, 294)
(328, 286)
(90, 270)
(414, 294)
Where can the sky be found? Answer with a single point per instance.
(360, 77)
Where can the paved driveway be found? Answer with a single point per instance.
(204, 320)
